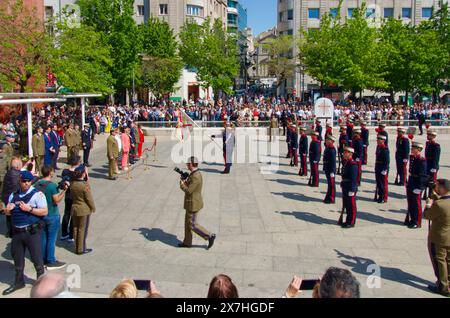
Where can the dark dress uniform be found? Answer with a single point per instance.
(303, 152)
(314, 158)
(417, 181)
(228, 140)
(294, 147)
(343, 142)
(349, 188)
(433, 156)
(350, 133)
(87, 145)
(358, 155)
(26, 234)
(56, 145)
(288, 143)
(328, 132)
(381, 173)
(365, 139)
(329, 167)
(402, 152)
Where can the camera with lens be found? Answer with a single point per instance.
(62, 185)
(184, 175)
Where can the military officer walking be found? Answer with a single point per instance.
(402, 152)
(303, 152)
(273, 130)
(318, 130)
(294, 146)
(112, 152)
(358, 156)
(314, 158)
(349, 186)
(77, 140)
(288, 141)
(383, 132)
(193, 203)
(26, 207)
(433, 156)
(417, 182)
(69, 138)
(382, 160)
(329, 167)
(86, 140)
(38, 145)
(82, 208)
(8, 149)
(365, 139)
(229, 140)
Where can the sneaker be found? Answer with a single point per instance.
(64, 238)
(70, 240)
(55, 265)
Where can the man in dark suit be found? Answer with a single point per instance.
(86, 141)
(55, 139)
(329, 167)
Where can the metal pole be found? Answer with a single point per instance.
(134, 89)
(83, 111)
(30, 130)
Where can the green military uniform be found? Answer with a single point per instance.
(22, 131)
(82, 207)
(273, 127)
(8, 152)
(112, 152)
(78, 142)
(69, 139)
(38, 145)
(439, 240)
(193, 203)
(138, 140)
(3, 169)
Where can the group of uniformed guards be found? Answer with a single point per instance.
(351, 154)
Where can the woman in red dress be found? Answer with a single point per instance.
(141, 139)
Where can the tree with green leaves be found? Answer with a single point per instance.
(23, 48)
(114, 19)
(213, 53)
(161, 66)
(80, 60)
(281, 63)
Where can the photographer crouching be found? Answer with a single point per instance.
(52, 220)
(193, 202)
(27, 207)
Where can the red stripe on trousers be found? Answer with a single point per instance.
(419, 208)
(404, 173)
(353, 209)
(385, 188)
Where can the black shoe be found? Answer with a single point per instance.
(86, 251)
(113, 178)
(413, 226)
(347, 226)
(381, 201)
(211, 241)
(436, 290)
(8, 235)
(225, 172)
(55, 265)
(182, 245)
(12, 289)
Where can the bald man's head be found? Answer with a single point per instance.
(48, 285)
(16, 163)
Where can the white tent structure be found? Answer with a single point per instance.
(29, 102)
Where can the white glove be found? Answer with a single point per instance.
(357, 160)
(315, 161)
(332, 175)
(384, 172)
(351, 194)
(405, 160)
(417, 191)
(433, 170)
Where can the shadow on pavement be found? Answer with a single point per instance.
(360, 265)
(297, 197)
(158, 235)
(309, 217)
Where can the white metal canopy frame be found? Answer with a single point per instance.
(81, 96)
(30, 102)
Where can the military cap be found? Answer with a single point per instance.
(192, 160)
(349, 149)
(303, 128)
(314, 133)
(330, 137)
(431, 133)
(382, 125)
(357, 130)
(381, 137)
(401, 129)
(417, 145)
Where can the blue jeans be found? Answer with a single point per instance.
(49, 236)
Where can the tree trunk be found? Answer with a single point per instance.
(321, 89)
(406, 98)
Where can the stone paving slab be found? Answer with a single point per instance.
(269, 227)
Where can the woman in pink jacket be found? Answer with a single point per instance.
(125, 147)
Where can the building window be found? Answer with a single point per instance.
(290, 15)
(163, 9)
(140, 11)
(314, 13)
(350, 12)
(280, 17)
(406, 13)
(290, 32)
(427, 13)
(48, 12)
(334, 12)
(196, 11)
(388, 12)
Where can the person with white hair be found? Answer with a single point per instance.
(51, 285)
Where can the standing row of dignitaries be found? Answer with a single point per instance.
(351, 155)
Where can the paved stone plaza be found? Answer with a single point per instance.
(269, 227)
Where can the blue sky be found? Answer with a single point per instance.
(262, 14)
